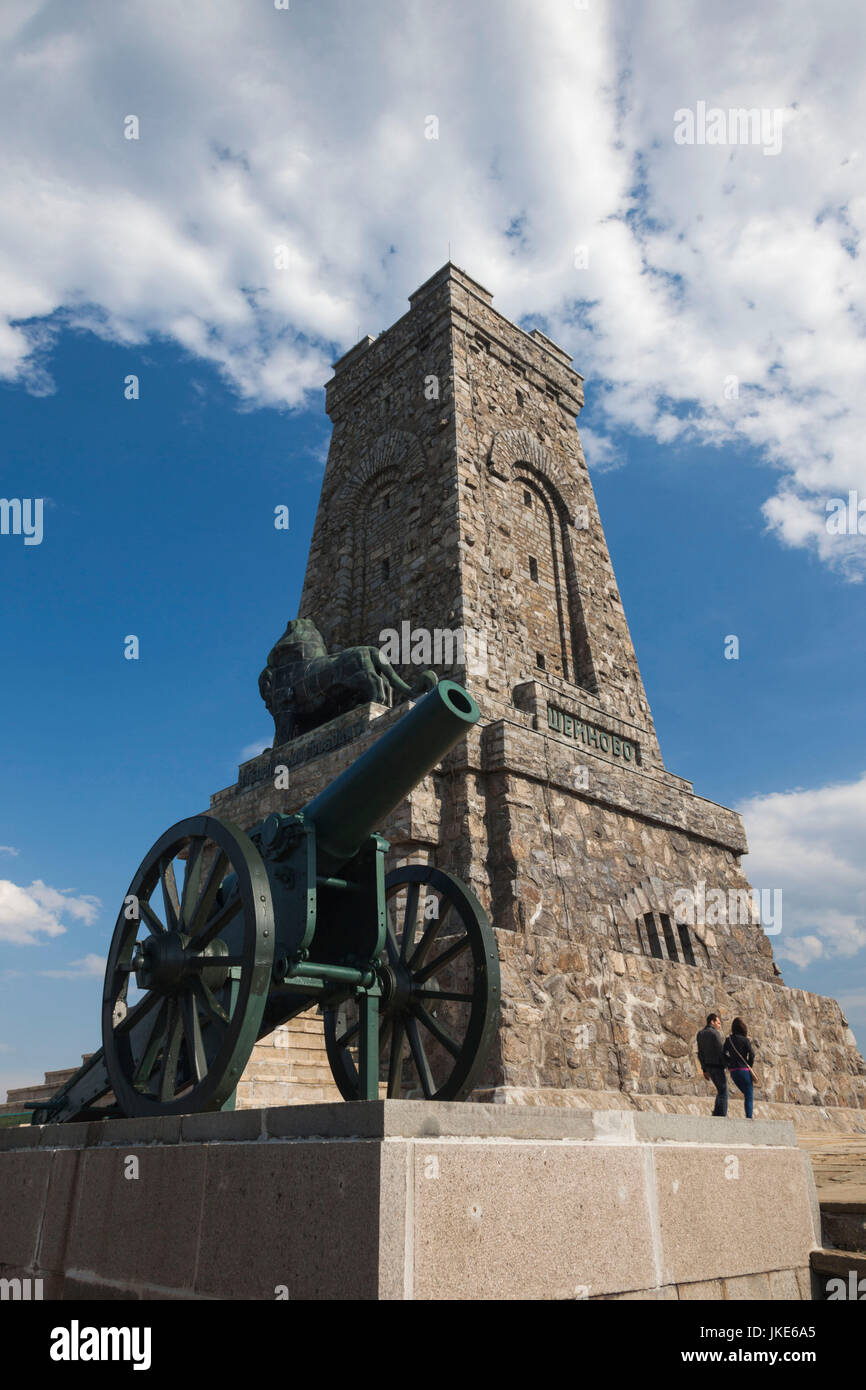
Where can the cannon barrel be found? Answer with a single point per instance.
(361, 798)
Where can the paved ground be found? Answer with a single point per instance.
(839, 1163)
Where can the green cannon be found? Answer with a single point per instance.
(225, 935)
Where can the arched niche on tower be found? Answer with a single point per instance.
(370, 508)
(543, 509)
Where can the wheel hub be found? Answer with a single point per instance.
(396, 986)
(161, 964)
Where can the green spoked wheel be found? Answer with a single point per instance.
(439, 977)
(188, 971)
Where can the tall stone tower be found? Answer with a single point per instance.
(457, 520)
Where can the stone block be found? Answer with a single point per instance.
(685, 1129)
(59, 1210)
(748, 1287)
(783, 1284)
(714, 1225)
(300, 1215)
(529, 1220)
(702, 1290)
(141, 1129)
(233, 1125)
(24, 1184)
(144, 1229)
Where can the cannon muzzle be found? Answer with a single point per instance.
(362, 797)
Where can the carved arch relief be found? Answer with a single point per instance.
(397, 458)
(519, 459)
(511, 447)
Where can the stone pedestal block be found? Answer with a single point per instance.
(409, 1200)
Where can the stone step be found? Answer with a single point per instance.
(37, 1092)
(303, 1042)
(59, 1078)
(840, 1275)
(843, 1224)
(285, 1069)
(267, 1093)
(304, 1023)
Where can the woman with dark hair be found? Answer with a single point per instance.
(739, 1055)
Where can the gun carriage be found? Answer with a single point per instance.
(225, 935)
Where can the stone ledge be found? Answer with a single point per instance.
(808, 1119)
(407, 1119)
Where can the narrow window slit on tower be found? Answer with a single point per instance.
(686, 943)
(519, 395)
(533, 568)
(652, 936)
(527, 497)
(670, 939)
(386, 568)
(539, 660)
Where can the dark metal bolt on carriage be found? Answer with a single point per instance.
(225, 935)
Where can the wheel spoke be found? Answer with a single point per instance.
(422, 1065)
(391, 945)
(136, 1014)
(191, 882)
(346, 1038)
(208, 1000)
(441, 1034)
(395, 1061)
(146, 911)
(148, 1058)
(204, 906)
(169, 893)
(451, 954)
(192, 1032)
(409, 919)
(418, 956)
(171, 1052)
(218, 923)
(450, 995)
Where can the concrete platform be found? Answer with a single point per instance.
(406, 1199)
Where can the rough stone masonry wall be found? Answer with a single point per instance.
(587, 1018)
(583, 1008)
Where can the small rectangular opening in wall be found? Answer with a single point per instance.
(539, 660)
(670, 939)
(533, 568)
(686, 943)
(519, 395)
(527, 498)
(386, 568)
(655, 944)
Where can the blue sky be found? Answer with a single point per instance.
(306, 130)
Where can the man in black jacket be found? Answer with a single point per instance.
(711, 1058)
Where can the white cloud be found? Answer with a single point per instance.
(9, 849)
(305, 128)
(90, 967)
(810, 844)
(252, 750)
(28, 914)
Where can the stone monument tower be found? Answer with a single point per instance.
(458, 529)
